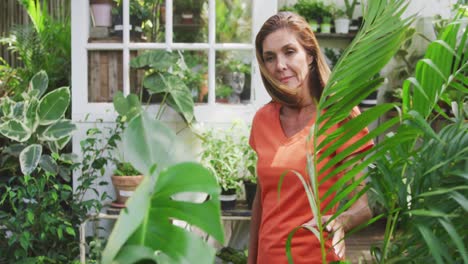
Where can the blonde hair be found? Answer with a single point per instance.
(318, 70)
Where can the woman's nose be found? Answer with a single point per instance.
(281, 64)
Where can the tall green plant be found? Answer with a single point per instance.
(44, 46)
(427, 174)
(145, 230)
(40, 211)
(351, 81)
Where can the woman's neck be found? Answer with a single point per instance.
(305, 110)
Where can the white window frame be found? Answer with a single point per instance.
(211, 112)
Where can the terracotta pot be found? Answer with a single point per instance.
(125, 186)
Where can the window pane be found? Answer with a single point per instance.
(233, 21)
(189, 72)
(103, 22)
(104, 75)
(147, 20)
(233, 75)
(190, 21)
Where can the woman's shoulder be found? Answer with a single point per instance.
(269, 110)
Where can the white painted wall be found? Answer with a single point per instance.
(423, 7)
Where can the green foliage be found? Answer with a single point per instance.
(333, 55)
(350, 6)
(37, 121)
(223, 91)
(312, 9)
(232, 255)
(163, 77)
(229, 156)
(233, 25)
(421, 182)
(428, 191)
(41, 212)
(352, 80)
(44, 46)
(125, 169)
(10, 79)
(145, 226)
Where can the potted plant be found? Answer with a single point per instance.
(139, 12)
(342, 22)
(310, 10)
(101, 13)
(125, 180)
(186, 10)
(250, 170)
(223, 92)
(222, 154)
(325, 26)
(314, 25)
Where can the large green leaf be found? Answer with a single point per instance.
(444, 65)
(29, 158)
(39, 82)
(149, 142)
(159, 60)
(53, 105)
(146, 225)
(179, 96)
(58, 130)
(15, 130)
(31, 118)
(129, 106)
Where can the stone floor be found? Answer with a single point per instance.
(359, 243)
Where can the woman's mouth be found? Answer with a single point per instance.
(285, 79)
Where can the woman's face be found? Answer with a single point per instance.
(286, 59)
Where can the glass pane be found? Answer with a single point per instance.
(190, 21)
(190, 69)
(104, 75)
(102, 26)
(233, 75)
(147, 20)
(233, 21)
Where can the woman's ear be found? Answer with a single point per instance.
(310, 59)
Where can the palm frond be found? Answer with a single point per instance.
(352, 79)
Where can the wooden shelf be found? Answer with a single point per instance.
(335, 36)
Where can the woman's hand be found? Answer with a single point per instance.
(336, 229)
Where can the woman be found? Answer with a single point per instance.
(294, 73)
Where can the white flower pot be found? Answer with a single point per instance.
(102, 14)
(342, 25)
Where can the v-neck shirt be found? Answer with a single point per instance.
(279, 154)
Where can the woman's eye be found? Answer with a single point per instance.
(268, 59)
(290, 52)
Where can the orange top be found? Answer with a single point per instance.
(277, 154)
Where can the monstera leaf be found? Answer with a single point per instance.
(145, 229)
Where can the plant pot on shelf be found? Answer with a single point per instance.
(228, 199)
(101, 13)
(342, 25)
(325, 28)
(314, 25)
(125, 186)
(370, 101)
(250, 191)
(187, 18)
